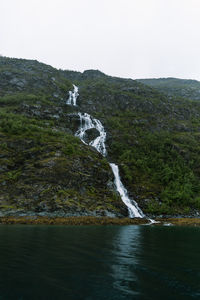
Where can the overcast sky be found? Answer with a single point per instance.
(126, 38)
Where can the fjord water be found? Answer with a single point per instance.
(99, 262)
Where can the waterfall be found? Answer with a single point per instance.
(86, 123)
(133, 209)
(73, 96)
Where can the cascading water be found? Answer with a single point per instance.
(133, 209)
(73, 96)
(86, 123)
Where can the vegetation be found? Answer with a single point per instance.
(154, 138)
(188, 89)
(72, 221)
(160, 166)
(47, 170)
(156, 144)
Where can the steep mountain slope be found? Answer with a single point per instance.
(188, 89)
(153, 138)
(44, 168)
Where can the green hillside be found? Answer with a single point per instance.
(185, 88)
(152, 137)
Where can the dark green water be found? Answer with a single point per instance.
(105, 262)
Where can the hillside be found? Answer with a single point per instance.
(174, 87)
(45, 169)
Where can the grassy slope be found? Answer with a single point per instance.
(189, 89)
(155, 140)
(47, 170)
(43, 167)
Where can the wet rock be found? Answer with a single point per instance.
(91, 134)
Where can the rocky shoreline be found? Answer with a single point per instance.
(92, 220)
(84, 220)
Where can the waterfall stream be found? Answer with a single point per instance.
(86, 123)
(133, 209)
(73, 96)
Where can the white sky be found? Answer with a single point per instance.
(126, 38)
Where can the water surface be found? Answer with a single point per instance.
(99, 262)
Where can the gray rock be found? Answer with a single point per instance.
(19, 82)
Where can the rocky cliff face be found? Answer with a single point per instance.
(44, 168)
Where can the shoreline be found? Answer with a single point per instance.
(89, 220)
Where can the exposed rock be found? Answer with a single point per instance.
(91, 134)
